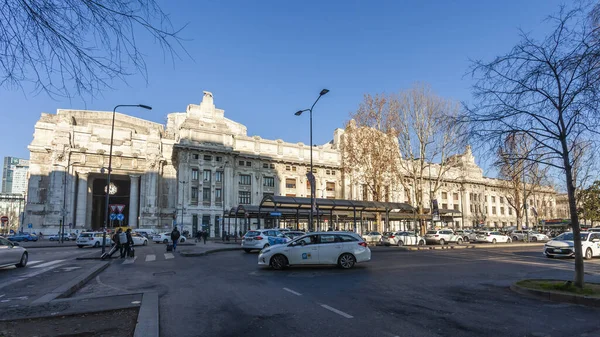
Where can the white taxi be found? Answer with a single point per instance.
(563, 245)
(93, 239)
(331, 248)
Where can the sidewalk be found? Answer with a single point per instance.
(463, 246)
(201, 249)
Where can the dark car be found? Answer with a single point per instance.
(23, 237)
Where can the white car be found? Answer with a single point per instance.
(492, 237)
(11, 254)
(532, 235)
(563, 245)
(372, 237)
(93, 239)
(341, 248)
(262, 238)
(442, 237)
(403, 238)
(165, 238)
(139, 240)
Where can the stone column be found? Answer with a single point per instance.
(81, 207)
(133, 200)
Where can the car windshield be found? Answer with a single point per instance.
(86, 235)
(252, 234)
(569, 237)
(431, 232)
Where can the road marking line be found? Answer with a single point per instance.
(130, 261)
(169, 256)
(341, 313)
(31, 263)
(47, 264)
(150, 257)
(293, 292)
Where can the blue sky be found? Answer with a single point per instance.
(264, 60)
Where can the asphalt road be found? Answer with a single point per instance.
(419, 293)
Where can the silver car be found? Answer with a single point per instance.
(262, 238)
(11, 254)
(442, 237)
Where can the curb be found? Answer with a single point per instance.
(49, 246)
(148, 316)
(69, 288)
(556, 296)
(210, 251)
(478, 246)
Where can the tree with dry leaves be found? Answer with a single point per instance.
(548, 90)
(427, 133)
(370, 151)
(78, 47)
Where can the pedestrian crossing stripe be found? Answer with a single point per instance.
(130, 261)
(150, 257)
(169, 256)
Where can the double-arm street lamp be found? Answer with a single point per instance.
(112, 132)
(310, 175)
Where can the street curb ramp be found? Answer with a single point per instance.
(70, 288)
(556, 296)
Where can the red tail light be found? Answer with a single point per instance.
(258, 238)
(436, 235)
(91, 239)
(392, 236)
(364, 244)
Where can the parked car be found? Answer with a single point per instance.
(23, 237)
(56, 237)
(342, 248)
(563, 245)
(139, 239)
(473, 235)
(372, 237)
(464, 233)
(166, 237)
(262, 238)
(147, 233)
(293, 234)
(521, 235)
(11, 254)
(93, 239)
(402, 238)
(442, 237)
(493, 237)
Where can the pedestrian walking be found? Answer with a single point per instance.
(204, 236)
(175, 235)
(128, 244)
(116, 238)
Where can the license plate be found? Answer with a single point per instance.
(557, 250)
(248, 240)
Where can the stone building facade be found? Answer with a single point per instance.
(198, 165)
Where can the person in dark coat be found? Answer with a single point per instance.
(204, 236)
(128, 245)
(117, 241)
(175, 235)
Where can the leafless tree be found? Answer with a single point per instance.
(548, 90)
(520, 178)
(427, 133)
(79, 47)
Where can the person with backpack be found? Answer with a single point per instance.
(175, 235)
(204, 235)
(128, 244)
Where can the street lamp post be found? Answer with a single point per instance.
(310, 175)
(223, 200)
(112, 133)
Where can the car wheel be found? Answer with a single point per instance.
(79, 246)
(459, 241)
(533, 239)
(588, 254)
(442, 242)
(278, 262)
(400, 243)
(266, 246)
(165, 241)
(97, 244)
(515, 238)
(346, 261)
(494, 241)
(51, 239)
(182, 240)
(549, 256)
(23, 261)
(145, 242)
(248, 250)
(508, 240)
(421, 243)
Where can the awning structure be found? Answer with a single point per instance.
(301, 203)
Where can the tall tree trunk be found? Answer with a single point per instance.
(579, 275)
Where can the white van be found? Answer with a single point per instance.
(147, 233)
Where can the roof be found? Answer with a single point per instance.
(284, 202)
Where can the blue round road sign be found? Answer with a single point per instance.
(113, 216)
(120, 217)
